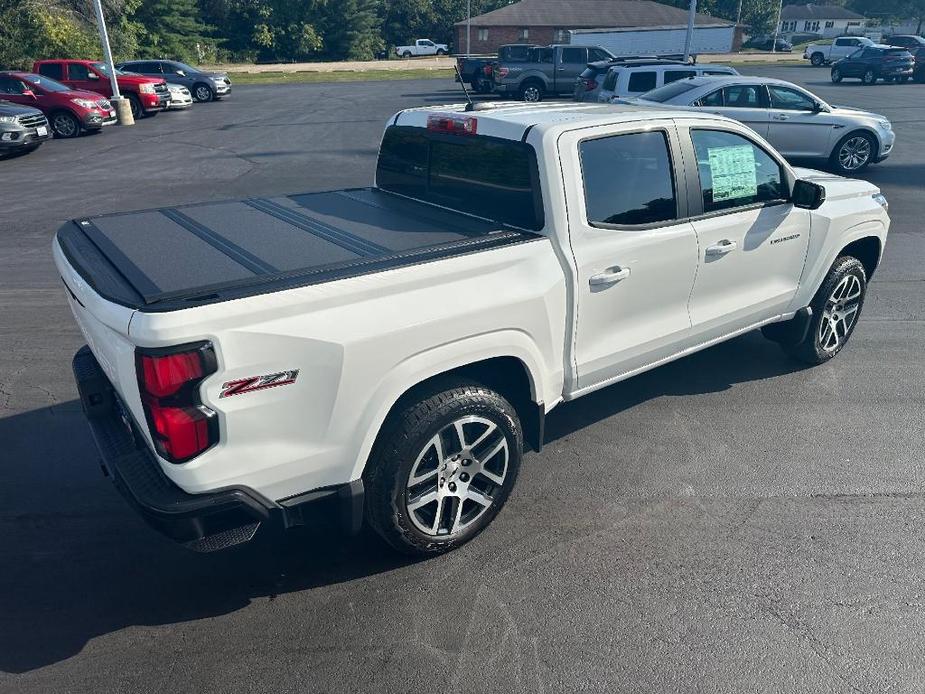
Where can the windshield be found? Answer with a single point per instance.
(183, 66)
(669, 91)
(46, 83)
(105, 70)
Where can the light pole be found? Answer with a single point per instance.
(123, 108)
(780, 7)
(688, 42)
(468, 27)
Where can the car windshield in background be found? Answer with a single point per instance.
(478, 175)
(669, 91)
(46, 83)
(183, 66)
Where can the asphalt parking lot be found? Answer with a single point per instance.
(730, 522)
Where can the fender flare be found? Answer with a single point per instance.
(442, 359)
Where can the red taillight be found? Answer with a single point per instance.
(456, 125)
(590, 85)
(487, 70)
(168, 381)
(503, 72)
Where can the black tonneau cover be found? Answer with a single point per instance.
(166, 259)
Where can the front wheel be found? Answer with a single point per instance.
(203, 93)
(836, 309)
(65, 124)
(836, 75)
(442, 468)
(135, 105)
(440, 51)
(854, 153)
(870, 77)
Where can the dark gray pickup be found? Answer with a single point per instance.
(161, 260)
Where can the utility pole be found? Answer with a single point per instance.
(688, 42)
(468, 27)
(780, 7)
(122, 106)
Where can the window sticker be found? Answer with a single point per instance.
(733, 172)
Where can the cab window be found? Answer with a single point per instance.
(78, 72)
(641, 81)
(628, 179)
(574, 55)
(790, 99)
(53, 70)
(734, 171)
(712, 100)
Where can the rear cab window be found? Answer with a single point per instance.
(735, 172)
(628, 180)
(479, 175)
(53, 70)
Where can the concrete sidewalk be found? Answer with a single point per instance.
(447, 63)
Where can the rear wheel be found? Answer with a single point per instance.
(65, 124)
(853, 153)
(406, 54)
(836, 309)
(532, 92)
(442, 468)
(817, 59)
(870, 77)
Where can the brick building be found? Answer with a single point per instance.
(548, 21)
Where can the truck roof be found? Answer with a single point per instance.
(511, 120)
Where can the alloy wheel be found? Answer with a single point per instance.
(64, 125)
(532, 95)
(854, 153)
(840, 312)
(203, 93)
(456, 476)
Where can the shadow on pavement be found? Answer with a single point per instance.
(78, 564)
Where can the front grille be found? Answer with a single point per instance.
(32, 121)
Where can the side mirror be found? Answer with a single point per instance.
(807, 195)
(819, 107)
(29, 93)
(181, 73)
(92, 76)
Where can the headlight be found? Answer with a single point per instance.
(85, 103)
(885, 124)
(7, 119)
(146, 88)
(881, 200)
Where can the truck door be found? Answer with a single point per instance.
(635, 254)
(752, 240)
(82, 76)
(571, 61)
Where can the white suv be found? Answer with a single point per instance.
(623, 81)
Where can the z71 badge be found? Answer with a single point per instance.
(249, 385)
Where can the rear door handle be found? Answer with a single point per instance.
(611, 275)
(722, 248)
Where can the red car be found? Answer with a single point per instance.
(147, 95)
(68, 111)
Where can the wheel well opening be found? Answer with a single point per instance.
(507, 376)
(867, 250)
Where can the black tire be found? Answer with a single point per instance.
(837, 160)
(812, 350)
(202, 92)
(406, 54)
(135, 105)
(836, 75)
(406, 445)
(817, 59)
(64, 124)
(483, 86)
(440, 51)
(532, 91)
(869, 77)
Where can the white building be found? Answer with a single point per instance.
(826, 20)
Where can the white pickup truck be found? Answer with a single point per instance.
(421, 47)
(392, 350)
(842, 47)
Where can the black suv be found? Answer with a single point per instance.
(22, 128)
(877, 62)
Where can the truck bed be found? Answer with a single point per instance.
(178, 257)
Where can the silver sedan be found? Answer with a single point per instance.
(798, 123)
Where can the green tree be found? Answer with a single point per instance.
(351, 29)
(172, 29)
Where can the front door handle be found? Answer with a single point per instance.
(722, 248)
(781, 116)
(611, 275)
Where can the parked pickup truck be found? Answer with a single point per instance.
(391, 350)
(842, 47)
(147, 95)
(478, 70)
(548, 71)
(421, 47)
